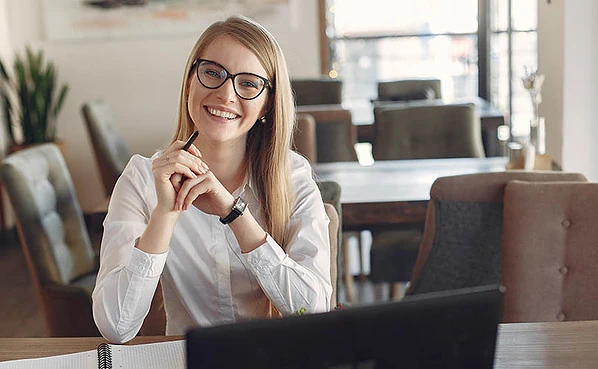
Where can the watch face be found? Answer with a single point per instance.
(240, 205)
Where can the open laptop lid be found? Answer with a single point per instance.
(453, 329)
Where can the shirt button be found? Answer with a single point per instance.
(560, 316)
(140, 268)
(566, 223)
(563, 270)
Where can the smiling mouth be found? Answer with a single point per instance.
(222, 114)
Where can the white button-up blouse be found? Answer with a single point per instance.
(206, 280)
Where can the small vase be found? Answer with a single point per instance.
(537, 135)
(529, 156)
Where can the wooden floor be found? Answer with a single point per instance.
(20, 311)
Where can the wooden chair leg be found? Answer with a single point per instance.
(348, 276)
(361, 262)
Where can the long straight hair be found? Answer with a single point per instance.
(268, 144)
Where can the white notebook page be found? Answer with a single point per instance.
(162, 355)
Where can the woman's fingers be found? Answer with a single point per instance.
(190, 190)
(177, 180)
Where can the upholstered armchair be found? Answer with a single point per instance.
(111, 152)
(550, 252)
(463, 235)
(304, 137)
(54, 238)
(317, 91)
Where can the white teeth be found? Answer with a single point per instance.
(220, 113)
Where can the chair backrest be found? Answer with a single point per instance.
(111, 152)
(335, 133)
(54, 238)
(409, 89)
(549, 252)
(461, 244)
(48, 214)
(333, 234)
(331, 194)
(304, 137)
(427, 131)
(317, 91)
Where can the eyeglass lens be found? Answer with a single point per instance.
(246, 85)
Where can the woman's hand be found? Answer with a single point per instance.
(171, 169)
(207, 194)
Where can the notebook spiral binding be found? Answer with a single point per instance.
(104, 356)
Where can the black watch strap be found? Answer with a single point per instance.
(238, 209)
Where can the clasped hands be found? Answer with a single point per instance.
(182, 179)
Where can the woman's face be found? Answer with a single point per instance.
(220, 115)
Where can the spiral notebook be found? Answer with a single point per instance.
(147, 356)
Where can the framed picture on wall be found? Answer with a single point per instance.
(72, 20)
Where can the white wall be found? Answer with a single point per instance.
(567, 39)
(140, 79)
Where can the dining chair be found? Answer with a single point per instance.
(417, 132)
(427, 131)
(54, 239)
(549, 251)
(53, 236)
(111, 152)
(462, 239)
(409, 89)
(304, 137)
(317, 91)
(336, 134)
(331, 195)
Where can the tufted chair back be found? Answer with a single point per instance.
(549, 252)
(54, 237)
(462, 240)
(427, 131)
(111, 152)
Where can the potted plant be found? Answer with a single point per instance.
(29, 100)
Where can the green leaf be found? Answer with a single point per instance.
(63, 91)
(8, 118)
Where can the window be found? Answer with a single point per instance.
(396, 39)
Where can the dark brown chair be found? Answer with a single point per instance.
(461, 244)
(335, 133)
(549, 252)
(304, 137)
(111, 152)
(317, 91)
(409, 89)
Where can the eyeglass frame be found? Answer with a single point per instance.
(267, 83)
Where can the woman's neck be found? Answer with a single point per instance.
(227, 162)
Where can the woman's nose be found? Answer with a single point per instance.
(226, 91)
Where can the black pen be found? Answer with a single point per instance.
(190, 141)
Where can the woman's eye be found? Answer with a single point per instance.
(212, 73)
(249, 84)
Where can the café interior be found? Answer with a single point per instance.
(452, 142)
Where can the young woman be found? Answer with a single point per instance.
(234, 227)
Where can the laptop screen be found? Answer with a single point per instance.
(453, 329)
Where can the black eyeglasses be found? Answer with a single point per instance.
(247, 86)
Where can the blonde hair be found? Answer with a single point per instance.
(269, 144)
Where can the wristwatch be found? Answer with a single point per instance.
(238, 209)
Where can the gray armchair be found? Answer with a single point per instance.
(54, 238)
(111, 152)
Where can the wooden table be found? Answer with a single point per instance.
(572, 345)
(394, 192)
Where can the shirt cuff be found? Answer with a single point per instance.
(146, 265)
(265, 257)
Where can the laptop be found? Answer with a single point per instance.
(452, 329)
